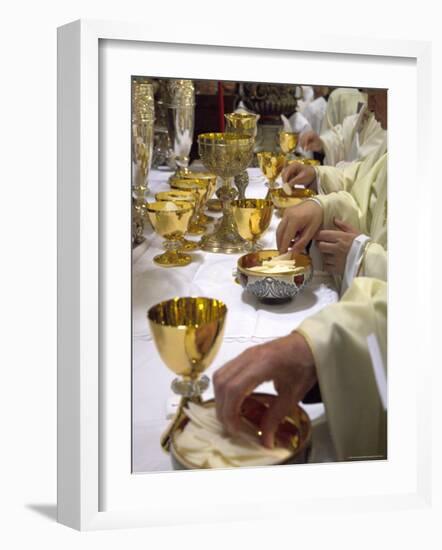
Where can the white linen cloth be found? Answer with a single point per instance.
(248, 322)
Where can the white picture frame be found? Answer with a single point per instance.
(80, 314)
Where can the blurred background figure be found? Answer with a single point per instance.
(361, 132)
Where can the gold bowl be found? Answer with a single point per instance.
(294, 432)
(252, 218)
(281, 200)
(273, 288)
(307, 162)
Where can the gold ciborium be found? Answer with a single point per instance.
(246, 124)
(271, 165)
(170, 220)
(200, 189)
(176, 195)
(226, 155)
(288, 142)
(252, 217)
(187, 333)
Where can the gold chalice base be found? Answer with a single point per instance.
(171, 259)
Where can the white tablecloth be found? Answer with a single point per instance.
(248, 322)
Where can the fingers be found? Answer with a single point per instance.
(291, 171)
(327, 235)
(291, 230)
(233, 383)
(325, 247)
(280, 408)
(302, 241)
(328, 265)
(343, 226)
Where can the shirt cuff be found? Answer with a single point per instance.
(353, 261)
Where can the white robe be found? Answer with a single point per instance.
(337, 336)
(356, 138)
(357, 194)
(342, 103)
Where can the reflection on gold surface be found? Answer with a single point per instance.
(252, 217)
(170, 220)
(308, 162)
(188, 333)
(288, 142)
(281, 200)
(271, 165)
(199, 187)
(176, 195)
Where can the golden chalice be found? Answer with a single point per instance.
(211, 181)
(187, 333)
(252, 217)
(170, 220)
(271, 165)
(176, 195)
(226, 155)
(288, 142)
(199, 188)
(245, 124)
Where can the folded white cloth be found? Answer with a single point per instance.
(205, 444)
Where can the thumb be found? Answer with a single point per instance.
(343, 226)
(277, 411)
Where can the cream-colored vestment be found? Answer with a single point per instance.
(357, 194)
(342, 103)
(356, 138)
(337, 336)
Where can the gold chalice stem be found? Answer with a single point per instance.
(241, 182)
(182, 162)
(225, 238)
(270, 184)
(191, 390)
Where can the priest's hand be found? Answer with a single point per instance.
(297, 173)
(298, 226)
(310, 141)
(287, 361)
(335, 246)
